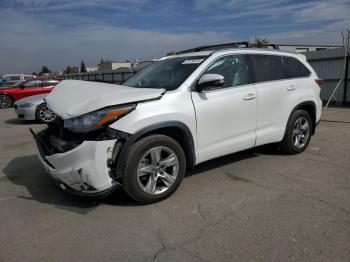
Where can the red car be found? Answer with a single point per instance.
(34, 86)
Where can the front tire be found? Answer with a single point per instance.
(154, 169)
(5, 101)
(298, 132)
(44, 115)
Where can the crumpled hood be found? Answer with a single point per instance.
(71, 98)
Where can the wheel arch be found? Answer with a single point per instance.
(37, 107)
(174, 129)
(310, 107)
(10, 96)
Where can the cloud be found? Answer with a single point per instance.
(335, 10)
(328, 34)
(272, 9)
(57, 33)
(32, 44)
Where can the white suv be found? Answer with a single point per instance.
(181, 111)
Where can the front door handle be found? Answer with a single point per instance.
(291, 88)
(250, 96)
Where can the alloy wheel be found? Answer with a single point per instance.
(5, 101)
(157, 170)
(46, 115)
(301, 132)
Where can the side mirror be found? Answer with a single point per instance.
(209, 80)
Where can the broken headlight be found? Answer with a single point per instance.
(96, 119)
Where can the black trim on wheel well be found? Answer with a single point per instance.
(174, 129)
(310, 107)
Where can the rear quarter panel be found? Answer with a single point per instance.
(309, 89)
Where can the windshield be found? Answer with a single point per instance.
(169, 73)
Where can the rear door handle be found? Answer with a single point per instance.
(291, 88)
(250, 96)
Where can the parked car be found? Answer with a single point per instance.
(24, 89)
(177, 113)
(34, 108)
(13, 79)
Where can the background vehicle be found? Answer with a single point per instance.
(174, 114)
(13, 79)
(24, 89)
(34, 108)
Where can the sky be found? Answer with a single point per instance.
(57, 33)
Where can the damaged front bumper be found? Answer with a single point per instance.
(84, 169)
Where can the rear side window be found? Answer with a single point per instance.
(49, 82)
(267, 67)
(33, 83)
(294, 68)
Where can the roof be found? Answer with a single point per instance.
(224, 46)
(313, 45)
(41, 78)
(237, 50)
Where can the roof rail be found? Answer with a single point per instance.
(225, 46)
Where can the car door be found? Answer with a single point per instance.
(30, 88)
(226, 116)
(277, 96)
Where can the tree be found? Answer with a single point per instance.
(82, 67)
(34, 74)
(261, 42)
(171, 53)
(68, 70)
(45, 70)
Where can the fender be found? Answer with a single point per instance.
(131, 139)
(305, 103)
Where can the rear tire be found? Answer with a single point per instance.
(154, 169)
(44, 115)
(5, 101)
(298, 132)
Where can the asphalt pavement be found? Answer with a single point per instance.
(256, 205)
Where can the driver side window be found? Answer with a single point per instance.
(233, 68)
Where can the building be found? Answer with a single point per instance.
(305, 48)
(113, 65)
(91, 69)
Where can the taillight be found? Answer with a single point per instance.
(320, 82)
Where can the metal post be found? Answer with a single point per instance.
(346, 67)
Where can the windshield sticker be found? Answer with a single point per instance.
(194, 61)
